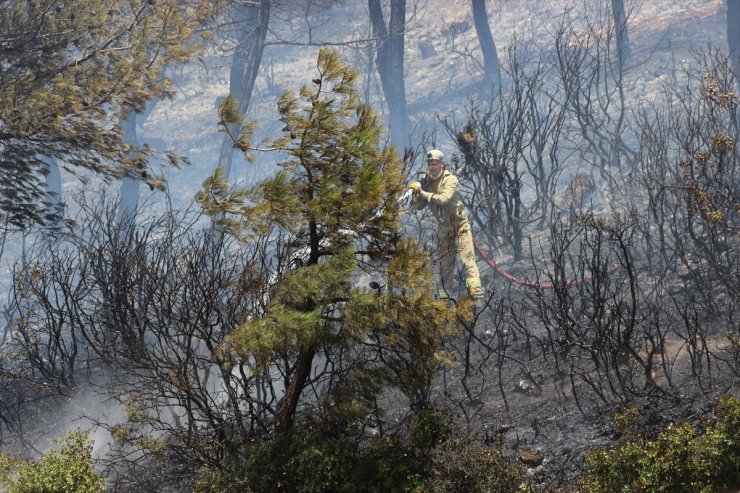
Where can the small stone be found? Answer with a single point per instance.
(531, 457)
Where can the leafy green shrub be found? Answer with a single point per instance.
(316, 459)
(303, 461)
(425, 457)
(67, 470)
(392, 463)
(326, 465)
(464, 465)
(429, 428)
(680, 459)
(211, 481)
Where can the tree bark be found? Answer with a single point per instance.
(128, 202)
(304, 362)
(487, 45)
(620, 26)
(390, 63)
(55, 209)
(301, 373)
(252, 21)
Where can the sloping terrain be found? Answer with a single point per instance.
(540, 371)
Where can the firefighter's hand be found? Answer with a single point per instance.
(416, 187)
(425, 195)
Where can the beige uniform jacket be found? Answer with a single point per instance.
(446, 204)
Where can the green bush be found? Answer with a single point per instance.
(321, 466)
(680, 459)
(464, 465)
(429, 428)
(425, 457)
(67, 470)
(212, 481)
(316, 459)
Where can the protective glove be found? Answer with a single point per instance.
(426, 195)
(415, 186)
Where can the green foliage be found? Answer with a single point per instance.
(69, 68)
(136, 429)
(317, 457)
(67, 470)
(228, 112)
(211, 481)
(429, 428)
(462, 464)
(334, 203)
(323, 466)
(336, 177)
(680, 459)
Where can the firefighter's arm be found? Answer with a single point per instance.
(417, 200)
(446, 191)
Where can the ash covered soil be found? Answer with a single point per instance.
(542, 407)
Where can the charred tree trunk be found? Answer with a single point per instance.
(55, 209)
(620, 26)
(487, 45)
(251, 21)
(301, 374)
(390, 62)
(128, 201)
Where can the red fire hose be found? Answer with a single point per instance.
(525, 282)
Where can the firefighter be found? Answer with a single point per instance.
(438, 190)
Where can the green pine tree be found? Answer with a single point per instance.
(335, 201)
(71, 67)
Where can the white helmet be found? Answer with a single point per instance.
(435, 155)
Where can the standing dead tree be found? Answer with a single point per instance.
(588, 70)
(688, 164)
(509, 156)
(390, 64)
(487, 45)
(249, 21)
